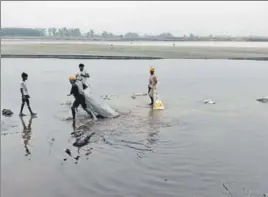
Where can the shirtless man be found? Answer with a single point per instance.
(152, 85)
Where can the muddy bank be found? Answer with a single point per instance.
(117, 57)
(112, 51)
(79, 57)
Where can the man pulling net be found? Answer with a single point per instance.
(79, 99)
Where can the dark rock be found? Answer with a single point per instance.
(263, 100)
(7, 112)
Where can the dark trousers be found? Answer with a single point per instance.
(26, 100)
(152, 99)
(80, 101)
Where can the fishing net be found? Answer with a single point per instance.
(97, 105)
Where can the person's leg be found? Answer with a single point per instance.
(152, 100)
(74, 106)
(29, 107)
(22, 106)
(150, 94)
(92, 115)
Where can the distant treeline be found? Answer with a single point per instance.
(75, 33)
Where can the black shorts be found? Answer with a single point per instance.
(80, 101)
(25, 99)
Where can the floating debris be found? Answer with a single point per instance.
(108, 97)
(263, 100)
(88, 153)
(134, 95)
(77, 158)
(209, 101)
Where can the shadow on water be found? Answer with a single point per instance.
(80, 139)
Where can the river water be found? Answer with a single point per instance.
(188, 149)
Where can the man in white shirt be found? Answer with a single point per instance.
(25, 95)
(83, 76)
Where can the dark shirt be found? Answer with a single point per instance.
(75, 91)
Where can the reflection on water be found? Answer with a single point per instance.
(81, 139)
(153, 118)
(26, 135)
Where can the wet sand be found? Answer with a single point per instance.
(106, 51)
(189, 148)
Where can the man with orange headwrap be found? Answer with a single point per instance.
(79, 98)
(152, 85)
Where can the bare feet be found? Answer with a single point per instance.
(34, 114)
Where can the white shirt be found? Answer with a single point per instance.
(23, 85)
(83, 79)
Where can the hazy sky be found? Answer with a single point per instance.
(177, 17)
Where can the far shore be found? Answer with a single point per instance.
(110, 51)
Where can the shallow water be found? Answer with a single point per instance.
(188, 149)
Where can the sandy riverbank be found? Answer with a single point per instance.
(105, 51)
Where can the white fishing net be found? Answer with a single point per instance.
(97, 105)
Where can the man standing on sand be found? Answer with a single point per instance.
(152, 85)
(83, 76)
(25, 95)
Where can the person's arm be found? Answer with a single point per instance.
(71, 92)
(155, 80)
(21, 90)
(85, 74)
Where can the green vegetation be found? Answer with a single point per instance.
(75, 33)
